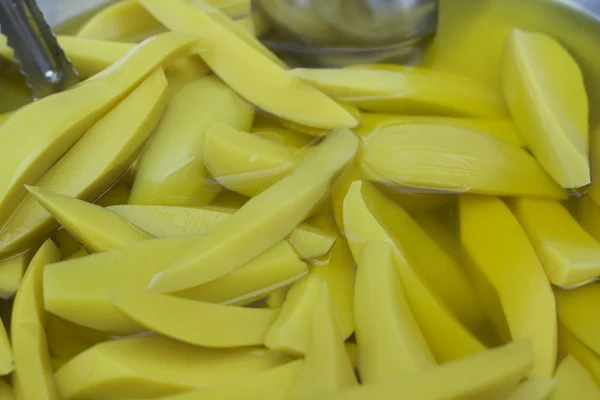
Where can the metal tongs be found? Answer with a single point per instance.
(42, 61)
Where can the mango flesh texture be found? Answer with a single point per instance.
(84, 297)
(92, 164)
(569, 344)
(152, 366)
(11, 273)
(446, 336)
(184, 71)
(546, 95)
(569, 254)
(311, 243)
(34, 147)
(506, 257)
(262, 221)
(30, 349)
(197, 323)
(574, 381)
(448, 159)
(573, 307)
(537, 389)
(271, 90)
(406, 91)
(171, 170)
(390, 342)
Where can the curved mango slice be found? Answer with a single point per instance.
(271, 89)
(569, 344)
(272, 129)
(311, 243)
(319, 132)
(447, 338)
(197, 323)
(94, 163)
(445, 158)
(6, 392)
(546, 95)
(30, 351)
(500, 248)
(11, 273)
(537, 389)
(152, 366)
(171, 170)
(569, 254)
(406, 90)
(262, 221)
(390, 342)
(574, 381)
(184, 71)
(574, 307)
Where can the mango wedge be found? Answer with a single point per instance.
(171, 170)
(569, 344)
(38, 135)
(390, 342)
(271, 89)
(326, 367)
(66, 243)
(569, 254)
(498, 245)
(537, 389)
(574, 307)
(546, 95)
(94, 163)
(311, 243)
(450, 159)
(152, 366)
(11, 273)
(197, 323)
(406, 91)
(276, 212)
(30, 351)
(184, 71)
(573, 380)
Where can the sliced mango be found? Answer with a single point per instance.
(450, 159)
(152, 366)
(94, 163)
(228, 199)
(197, 323)
(574, 308)
(274, 214)
(67, 244)
(537, 389)
(11, 273)
(569, 254)
(66, 339)
(390, 342)
(574, 381)
(498, 245)
(82, 252)
(171, 170)
(569, 344)
(118, 194)
(546, 95)
(271, 89)
(184, 71)
(311, 243)
(406, 90)
(588, 215)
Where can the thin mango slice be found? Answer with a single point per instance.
(498, 245)
(97, 228)
(197, 323)
(271, 89)
(569, 344)
(6, 392)
(93, 164)
(574, 307)
(38, 135)
(537, 389)
(262, 221)
(311, 243)
(406, 90)
(30, 350)
(546, 95)
(152, 366)
(447, 338)
(569, 254)
(11, 273)
(574, 381)
(171, 170)
(184, 71)
(450, 159)
(390, 342)
(326, 367)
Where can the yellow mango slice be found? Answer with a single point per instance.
(245, 163)
(38, 135)
(574, 307)
(447, 338)
(67, 244)
(326, 367)
(450, 159)
(390, 342)
(97, 228)
(274, 213)
(319, 132)
(94, 163)
(66, 339)
(197, 323)
(537, 389)
(569, 254)
(311, 243)
(6, 392)
(152, 366)
(11, 273)
(84, 297)
(118, 194)
(574, 381)
(82, 252)
(588, 215)
(184, 71)
(171, 170)
(30, 351)
(546, 95)
(498, 245)
(406, 90)
(271, 90)
(569, 344)
(273, 129)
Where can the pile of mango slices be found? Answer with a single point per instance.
(197, 220)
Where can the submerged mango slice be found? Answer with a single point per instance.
(574, 307)
(546, 95)
(498, 245)
(537, 389)
(171, 170)
(11, 273)
(574, 381)
(445, 158)
(273, 129)
(569, 344)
